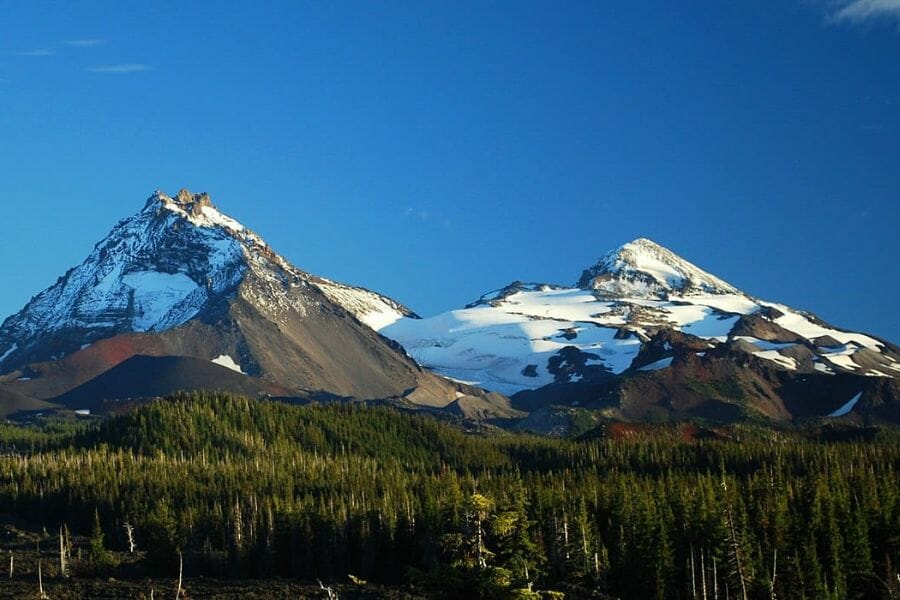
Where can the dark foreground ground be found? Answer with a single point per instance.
(30, 547)
(193, 588)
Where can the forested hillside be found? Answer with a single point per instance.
(262, 489)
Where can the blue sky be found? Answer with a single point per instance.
(437, 150)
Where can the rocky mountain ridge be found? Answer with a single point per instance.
(181, 296)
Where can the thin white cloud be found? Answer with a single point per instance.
(83, 42)
(424, 215)
(416, 213)
(864, 11)
(36, 52)
(120, 68)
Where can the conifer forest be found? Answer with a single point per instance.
(215, 486)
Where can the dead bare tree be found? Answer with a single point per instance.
(129, 532)
(180, 573)
(737, 564)
(715, 580)
(63, 563)
(703, 571)
(41, 594)
(693, 575)
(238, 525)
(774, 571)
(10, 565)
(332, 595)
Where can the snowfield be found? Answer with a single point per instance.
(493, 348)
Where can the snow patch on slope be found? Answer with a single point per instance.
(765, 344)
(6, 354)
(785, 361)
(657, 365)
(210, 217)
(846, 408)
(800, 324)
(711, 326)
(373, 309)
(226, 361)
(156, 296)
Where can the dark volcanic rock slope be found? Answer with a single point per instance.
(181, 279)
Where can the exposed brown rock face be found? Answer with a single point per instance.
(761, 326)
(192, 203)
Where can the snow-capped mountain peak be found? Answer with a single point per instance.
(160, 268)
(644, 269)
(526, 336)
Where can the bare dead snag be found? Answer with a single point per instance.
(41, 594)
(63, 564)
(180, 573)
(129, 531)
(332, 595)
